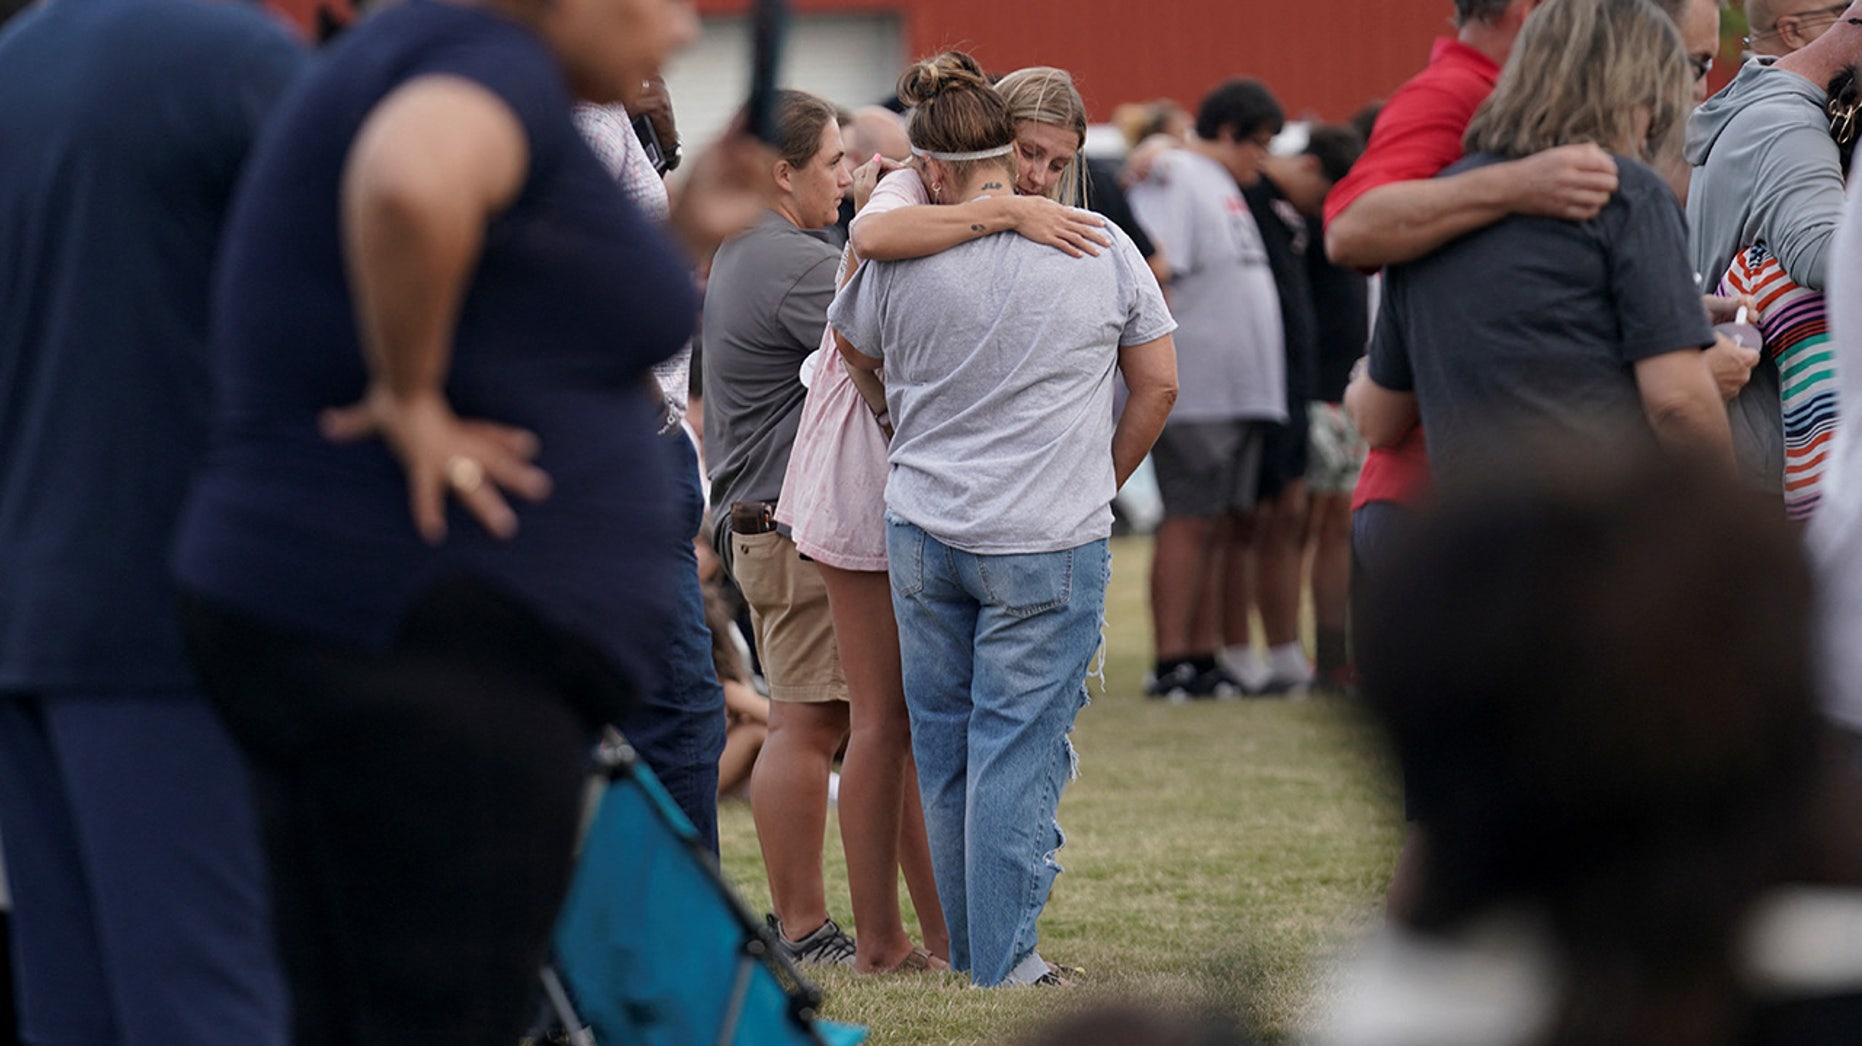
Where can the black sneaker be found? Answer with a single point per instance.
(827, 946)
(1178, 684)
(1059, 975)
(1214, 683)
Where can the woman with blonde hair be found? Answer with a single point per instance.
(834, 504)
(1002, 471)
(1050, 131)
(1538, 329)
(1049, 119)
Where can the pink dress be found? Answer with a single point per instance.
(834, 495)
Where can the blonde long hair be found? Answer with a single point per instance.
(1045, 94)
(1583, 71)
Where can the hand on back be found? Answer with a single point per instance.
(1078, 233)
(1572, 182)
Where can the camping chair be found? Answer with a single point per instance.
(654, 948)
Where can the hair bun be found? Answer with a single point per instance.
(952, 70)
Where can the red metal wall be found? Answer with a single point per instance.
(1321, 57)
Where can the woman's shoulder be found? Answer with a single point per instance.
(423, 38)
(901, 188)
(1641, 189)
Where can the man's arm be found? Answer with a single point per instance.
(1403, 221)
(1797, 201)
(1382, 416)
(1150, 373)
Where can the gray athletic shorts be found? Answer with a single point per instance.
(1207, 469)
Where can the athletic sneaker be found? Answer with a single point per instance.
(1289, 673)
(1245, 666)
(1177, 684)
(1217, 682)
(827, 946)
(1060, 975)
(1185, 683)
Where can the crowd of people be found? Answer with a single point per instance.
(379, 428)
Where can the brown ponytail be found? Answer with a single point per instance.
(955, 110)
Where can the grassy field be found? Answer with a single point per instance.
(1216, 852)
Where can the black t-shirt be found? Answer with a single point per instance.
(1341, 302)
(1283, 232)
(1104, 196)
(1530, 328)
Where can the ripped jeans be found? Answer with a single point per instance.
(995, 654)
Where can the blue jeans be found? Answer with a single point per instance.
(679, 726)
(995, 654)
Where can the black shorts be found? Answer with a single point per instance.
(1284, 452)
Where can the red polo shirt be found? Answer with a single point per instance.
(1417, 135)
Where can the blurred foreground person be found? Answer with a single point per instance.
(1620, 757)
(433, 299)
(679, 728)
(132, 847)
(1000, 355)
(1130, 1024)
(1835, 534)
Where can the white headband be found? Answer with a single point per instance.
(981, 154)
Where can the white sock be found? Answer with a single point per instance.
(1288, 662)
(1245, 664)
(1028, 971)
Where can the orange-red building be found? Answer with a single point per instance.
(1323, 58)
(1327, 57)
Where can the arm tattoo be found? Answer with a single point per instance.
(979, 228)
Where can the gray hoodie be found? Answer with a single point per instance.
(1765, 172)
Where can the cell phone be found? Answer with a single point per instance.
(649, 141)
(769, 28)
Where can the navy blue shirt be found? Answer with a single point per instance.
(575, 295)
(123, 127)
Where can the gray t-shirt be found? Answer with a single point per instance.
(765, 307)
(1231, 350)
(1530, 328)
(1000, 356)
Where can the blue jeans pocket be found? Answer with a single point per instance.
(1026, 585)
(905, 557)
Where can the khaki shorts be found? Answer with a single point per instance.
(789, 613)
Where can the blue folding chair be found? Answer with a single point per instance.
(655, 949)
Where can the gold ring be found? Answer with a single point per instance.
(464, 474)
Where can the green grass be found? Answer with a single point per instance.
(1216, 852)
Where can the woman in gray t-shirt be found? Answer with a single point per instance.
(1000, 355)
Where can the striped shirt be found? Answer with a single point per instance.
(1797, 335)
